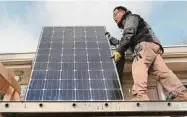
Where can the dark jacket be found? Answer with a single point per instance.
(135, 30)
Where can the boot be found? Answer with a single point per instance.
(181, 96)
(140, 97)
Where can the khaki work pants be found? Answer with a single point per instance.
(152, 63)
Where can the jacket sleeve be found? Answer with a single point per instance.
(129, 31)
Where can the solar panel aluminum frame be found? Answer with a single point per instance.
(48, 61)
(125, 108)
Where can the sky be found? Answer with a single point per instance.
(21, 22)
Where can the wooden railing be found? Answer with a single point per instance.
(8, 85)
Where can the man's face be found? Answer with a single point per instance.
(117, 15)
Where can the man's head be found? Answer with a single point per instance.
(118, 13)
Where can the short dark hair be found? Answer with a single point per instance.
(120, 8)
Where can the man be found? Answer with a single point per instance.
(147, 50)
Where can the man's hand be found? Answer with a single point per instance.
(107, 34)
(116, 56)
(113, 41)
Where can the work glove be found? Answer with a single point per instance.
(116, 56)
(107, 34)
(113, 41)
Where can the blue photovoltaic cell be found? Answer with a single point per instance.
(74, 64)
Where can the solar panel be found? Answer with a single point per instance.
(72, 64)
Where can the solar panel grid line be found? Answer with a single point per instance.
(82, 88)
(63, 81)
(44, 89)
(102, 70)
(47, 67)
(74, 63)
(34, 64)
(61, 69)
(90, 86)
(109, 82)
(75, 94)
(78, 89)
(88, 71)
(100, 63)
